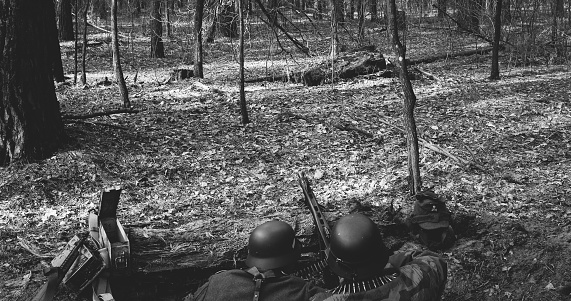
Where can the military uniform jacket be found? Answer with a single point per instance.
(238, 285)
(419, 277)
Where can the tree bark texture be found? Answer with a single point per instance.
(495, 71)
(157, 47)
(243, 106)
(65, 21)
(198, 15)
(53, 45)
(117, 58)
(409, 102)
(30, 121)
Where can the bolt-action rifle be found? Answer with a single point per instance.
(320, 224)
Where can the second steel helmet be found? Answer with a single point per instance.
(272, 245)
(357, 251)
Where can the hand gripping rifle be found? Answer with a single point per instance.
(320, 224)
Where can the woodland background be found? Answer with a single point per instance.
(197, 179)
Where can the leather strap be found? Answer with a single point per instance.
(259, 279)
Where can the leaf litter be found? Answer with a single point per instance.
(185, 162)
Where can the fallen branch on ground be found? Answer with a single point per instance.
(99, 114)
(427, 144)
(105, 30)
(431, 59)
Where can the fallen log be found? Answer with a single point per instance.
(434, 58)
(344, 66)
(167, 264)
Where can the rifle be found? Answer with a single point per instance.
(56, 274)
(320, 224)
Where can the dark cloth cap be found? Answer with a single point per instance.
(430, 211)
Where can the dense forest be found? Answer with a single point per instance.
(202, 113)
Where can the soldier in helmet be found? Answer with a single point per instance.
(272, 247)
(369, 271)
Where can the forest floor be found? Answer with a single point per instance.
(186, 157)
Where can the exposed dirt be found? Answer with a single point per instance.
(185, 157)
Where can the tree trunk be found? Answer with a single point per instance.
(495, 72)
(157, 47)
(65, 21)
(243, 107)
(506, 12)
(53, 45)
(84, 46)
(273, 11)
(317, 7)
(559, 8)
(227, 20)
(335, 27)
(198, 15)
(168, 17)
(351, 10)
(361, 15)
(409, 102)
(373, 10)
(116, 57)
(443, 5)
(75, 33)
(30, 121)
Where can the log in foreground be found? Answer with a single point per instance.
(167, 264)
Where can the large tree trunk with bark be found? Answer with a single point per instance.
(117, 58)
(65, 21)
(198, 15)
(30, 121)
(409, 102)
(157, 47)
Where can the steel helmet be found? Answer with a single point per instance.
(272, 245)
(357, 251)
